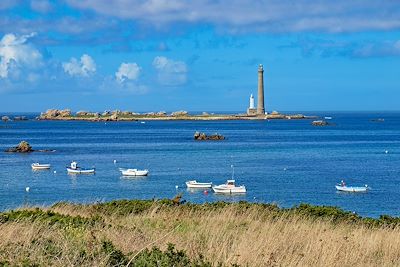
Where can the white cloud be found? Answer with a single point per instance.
(170, 72)
(85, 67)
(16, 53)
(128, 71)
(250, 15)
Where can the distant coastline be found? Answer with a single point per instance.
(116, 115)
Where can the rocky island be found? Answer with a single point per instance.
(117, 115)
(320, 123)
(202, 136)
(22, 147)
(25, 147)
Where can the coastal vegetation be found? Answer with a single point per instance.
(169, 233)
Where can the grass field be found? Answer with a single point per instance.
(137, 233)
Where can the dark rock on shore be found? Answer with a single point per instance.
(203, 136)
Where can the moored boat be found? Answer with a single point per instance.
(354, 189)
(195, 184)
(38, 166)
(81, 171)
(74, 169)
(134, 172)
(229, 188)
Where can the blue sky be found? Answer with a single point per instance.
(151, 55)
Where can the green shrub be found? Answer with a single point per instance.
(115, 256)
(171, 257)
(334, 214)
(48, 217)
(125, 207)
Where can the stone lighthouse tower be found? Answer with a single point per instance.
(260, 98)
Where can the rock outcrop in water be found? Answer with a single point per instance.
(320, 123)
(22, 147)
(25, 147)
(52, 114)
(20, 118)
(5, 118)
(179, 113)
(161, 113)
(202, 136)
(114, 117)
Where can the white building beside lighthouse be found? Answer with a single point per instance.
(251, 110)
(251, 106)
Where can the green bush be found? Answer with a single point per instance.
(48, 217)
(125, 207)
(334, 214)
(115, 256)
(171, 257)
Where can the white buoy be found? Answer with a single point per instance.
(386, 151)
(284, 169)
(176, 187)
(55, 171)
(27, 189)
(115, 161)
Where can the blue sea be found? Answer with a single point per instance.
(286, 162)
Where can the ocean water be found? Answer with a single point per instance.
(286, 162)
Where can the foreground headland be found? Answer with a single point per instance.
(137, 233)
(66, 114)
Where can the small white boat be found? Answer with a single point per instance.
(74, 169)
(354, 189)
(327, 118)
(195, 184)
(81, 171)
(134, 172)
(229, 188)
(38, 166)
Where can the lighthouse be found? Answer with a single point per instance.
(260, 110)
(260, 97)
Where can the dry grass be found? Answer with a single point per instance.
(250, 237)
